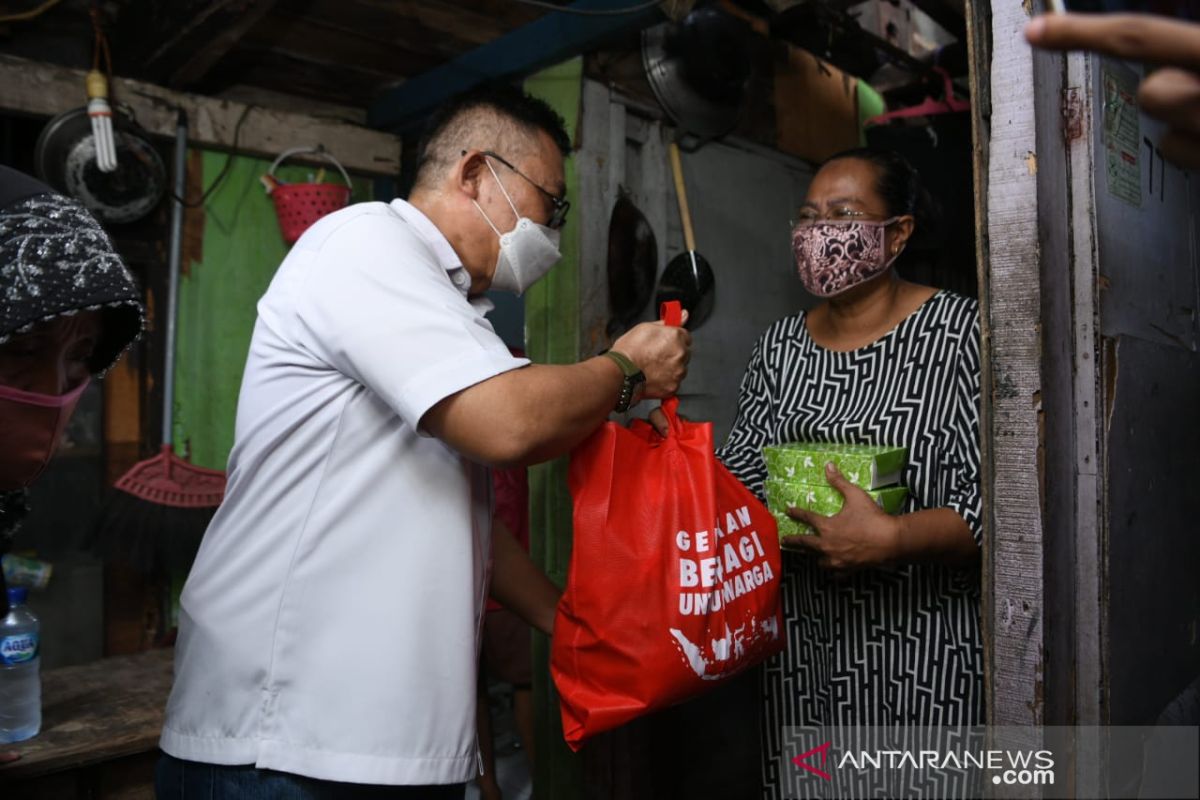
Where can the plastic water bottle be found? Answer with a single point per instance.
(20, 683)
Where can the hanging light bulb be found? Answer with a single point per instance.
(102, 129)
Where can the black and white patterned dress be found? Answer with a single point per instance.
(894, 646)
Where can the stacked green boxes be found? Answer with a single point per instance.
(796, 477)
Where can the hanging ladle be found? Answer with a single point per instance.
(688, 277)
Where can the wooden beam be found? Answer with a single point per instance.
(34, 88)
(177, 43)
(382, 24)
(545, 41)
(1012, 367)
(255, 95)
(322, 46)
(478, 22)
(219, 42)
(286, 73)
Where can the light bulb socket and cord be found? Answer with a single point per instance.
(98, 106)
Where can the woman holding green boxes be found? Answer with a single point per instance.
(882, 611)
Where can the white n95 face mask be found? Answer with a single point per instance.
(527, 252)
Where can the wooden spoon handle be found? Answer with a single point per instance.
(684, 215)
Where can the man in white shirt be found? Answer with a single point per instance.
(329, 628)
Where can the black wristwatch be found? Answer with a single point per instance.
(633, 379)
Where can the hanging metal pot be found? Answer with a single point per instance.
(65, 158)
(700, 70)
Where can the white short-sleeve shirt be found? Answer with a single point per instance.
(329, 626)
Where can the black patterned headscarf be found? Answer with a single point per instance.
(55, 259)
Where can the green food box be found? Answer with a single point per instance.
(821, 499)
(866, 466)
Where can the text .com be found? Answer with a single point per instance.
(1024, 777)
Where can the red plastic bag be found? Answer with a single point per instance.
(673, 584)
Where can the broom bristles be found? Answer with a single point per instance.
(153, 538)
(158, 512)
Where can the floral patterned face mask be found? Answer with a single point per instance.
(832, 257)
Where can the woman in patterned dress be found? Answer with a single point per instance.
(881, 612)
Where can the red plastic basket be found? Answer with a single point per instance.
(299, 205)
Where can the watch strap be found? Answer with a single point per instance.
(633, 378)
(628, 368)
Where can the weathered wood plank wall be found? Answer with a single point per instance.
(35, 88)
(1010, 287)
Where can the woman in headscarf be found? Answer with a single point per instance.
(68, 309)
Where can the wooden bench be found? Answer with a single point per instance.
(100, 728)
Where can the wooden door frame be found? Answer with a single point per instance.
(1043, 476)
(1006, 169)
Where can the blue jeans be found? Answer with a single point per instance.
(176, 779)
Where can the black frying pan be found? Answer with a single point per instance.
(688, 277)
(632, 264)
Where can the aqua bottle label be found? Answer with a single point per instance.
(18, 649)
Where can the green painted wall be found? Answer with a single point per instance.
(242, 248)
(552, 337)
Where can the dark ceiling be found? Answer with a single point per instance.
(337, 51)
(306, 54)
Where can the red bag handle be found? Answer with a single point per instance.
(671, 313)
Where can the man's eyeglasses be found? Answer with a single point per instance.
(559, 216)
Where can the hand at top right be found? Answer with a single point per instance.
(1171, 93)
